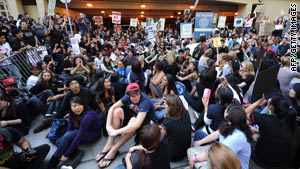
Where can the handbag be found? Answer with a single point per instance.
(57, 129)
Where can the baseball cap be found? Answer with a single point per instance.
(132, 87)
(9, 81)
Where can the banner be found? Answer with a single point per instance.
(186, 30)
(222, 22)
(203, 24)
(238, 21)
(116, 17)
(98, 20)
(75, 46)
(51, 7)
(143, 24)
(133, 22)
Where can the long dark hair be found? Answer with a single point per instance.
(150, 139)
(287, 116)
(11, 104)
(176, 108)
(78, 118)
(171, 84)
(236, 119)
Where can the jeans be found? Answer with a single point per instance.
(54, 106)
(64, 142)
(159, 113)
(36, 104)
(199, 135)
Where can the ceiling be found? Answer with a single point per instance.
(154, 8)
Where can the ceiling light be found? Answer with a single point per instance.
(102, 11)
(143, 6)
(191, 7)
(172, 16)
(179, 13)
(142, 16)
(89, 5)
(110, 15)
(236, 14)
(142, 12)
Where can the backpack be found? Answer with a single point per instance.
(57, 129)
(180, 88)
(198, 52)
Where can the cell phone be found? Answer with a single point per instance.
(206, 94)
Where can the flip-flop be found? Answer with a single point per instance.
(99, 154)
(110, 160)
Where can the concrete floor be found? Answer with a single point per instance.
(90, 151)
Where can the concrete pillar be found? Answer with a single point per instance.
(42, 7)
(15, 8)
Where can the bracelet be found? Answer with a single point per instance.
(195, 158)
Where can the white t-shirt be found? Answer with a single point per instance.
(32, 80)
(3, 47)
(238, 143)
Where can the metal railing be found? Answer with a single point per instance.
(19, 65)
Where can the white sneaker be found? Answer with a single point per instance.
(66, 167)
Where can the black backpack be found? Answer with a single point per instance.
(198, 52)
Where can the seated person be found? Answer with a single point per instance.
(141, 113)
(13, 115)
(30, 158)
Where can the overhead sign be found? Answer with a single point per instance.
(238, 21)
(116, 17)
(133, 22)
(203, 24)
(51, 7)
(98, 20)
(186, 30)
(222, 22)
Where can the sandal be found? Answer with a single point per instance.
(102, 154)
(109, 160)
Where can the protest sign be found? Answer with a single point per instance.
(98, 20)
(221, 22)
(238, 21)
(264, 83)
(186, 30)
(133, 22)
(116, 17)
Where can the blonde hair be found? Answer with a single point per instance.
(247, 70)
(285, 61)
(222, 157)
(171, 58)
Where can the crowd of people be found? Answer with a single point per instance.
(124, 86)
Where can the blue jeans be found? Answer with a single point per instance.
(54, 106)
(199, 135)
(120, 166)
(36, 105)
(159, 113)
(64, 142)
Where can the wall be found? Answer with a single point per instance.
(62, 11)
(274, 8)
(15, 8)
(32, 10)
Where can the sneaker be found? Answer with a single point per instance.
(45, 124)
(74, 159)
(66, 167)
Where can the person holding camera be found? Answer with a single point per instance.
(29, 157)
